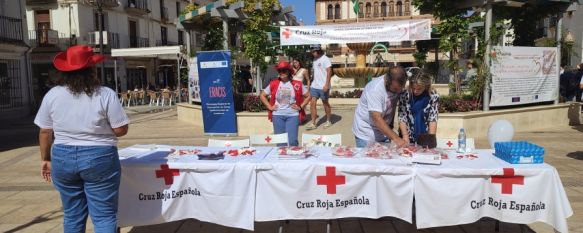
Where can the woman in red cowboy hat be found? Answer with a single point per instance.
(81, 160)
(286, 104)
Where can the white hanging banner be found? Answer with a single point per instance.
(394, 31)
(524, 75)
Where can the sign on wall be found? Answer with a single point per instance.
(524, 75)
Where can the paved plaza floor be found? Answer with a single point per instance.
(27, 204)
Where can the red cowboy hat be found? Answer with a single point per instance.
(283, 65)
(77, 57)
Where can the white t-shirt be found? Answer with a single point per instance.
(82, 120)
(375, 98)
(320, 65)
(285, 98)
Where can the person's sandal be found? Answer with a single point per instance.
(311, 126)
(327, 124)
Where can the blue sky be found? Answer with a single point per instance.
(304, 9)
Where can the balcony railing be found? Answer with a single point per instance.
(10, 29)
(164, 14)
(40, 2)
(111, 39)
(139, 42)
(165, 43)
(139, 7)
(43, 38)
(105, 3)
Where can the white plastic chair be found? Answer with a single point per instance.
(451, 144)
(228, 143)
(268, 139)
(334, 139)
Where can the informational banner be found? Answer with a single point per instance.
(193, 81)
(216, 93)
(524, 75)
(393, 31)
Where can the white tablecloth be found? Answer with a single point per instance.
(237, 191)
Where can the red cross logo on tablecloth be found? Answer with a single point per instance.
(330, 180)
(267, 139)
(449, 144)
(227, 144)
(286, 33)
(167, 173)
(507, 180)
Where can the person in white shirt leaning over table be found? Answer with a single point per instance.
(376, 109)
(81, 159)
(320, 88)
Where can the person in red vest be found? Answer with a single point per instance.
(287, 101)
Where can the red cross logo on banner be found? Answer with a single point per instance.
(449, 144)
(507, 180)
(167, 173)
(330, 180)
(267, 139)
(286, 33)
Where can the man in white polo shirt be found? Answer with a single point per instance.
(320, 88)
(376, 109)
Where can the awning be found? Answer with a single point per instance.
(161, 52)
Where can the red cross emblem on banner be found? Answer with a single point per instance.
(449, 144)
(286, 33)
(507, 180)
(167, 173)
(331, 180)
(267, 139)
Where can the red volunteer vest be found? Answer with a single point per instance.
(274, 85)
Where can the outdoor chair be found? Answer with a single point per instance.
(268, 139)
(153, 96)
(166, 96)
(125, 98)
(451, 144)
(327, 140)
(228, 143)
(141, 96)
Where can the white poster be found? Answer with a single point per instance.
(393, 31)
(193, 83)
(523, 75)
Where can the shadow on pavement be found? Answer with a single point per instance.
(578, 155)
(17, 133)
(48, 216)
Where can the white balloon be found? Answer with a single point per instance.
(500, 131)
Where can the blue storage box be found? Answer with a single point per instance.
(519, 152)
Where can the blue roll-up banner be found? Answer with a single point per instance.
(216, 93)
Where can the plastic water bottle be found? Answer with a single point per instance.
(461, 141)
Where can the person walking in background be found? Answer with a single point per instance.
(288, 98)
(320, 87)
(299, 73)
(418, 109)
(82, 161)
(579, 77)
(376, 109)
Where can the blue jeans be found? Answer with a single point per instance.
(319, 94)
(87, 178)
(289, 125)
(361, 143)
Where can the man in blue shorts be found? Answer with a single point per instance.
(320, 88)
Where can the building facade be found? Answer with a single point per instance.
(55, 25)
(341, 12)
(15, 80)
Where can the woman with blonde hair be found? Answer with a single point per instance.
(418, 108)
